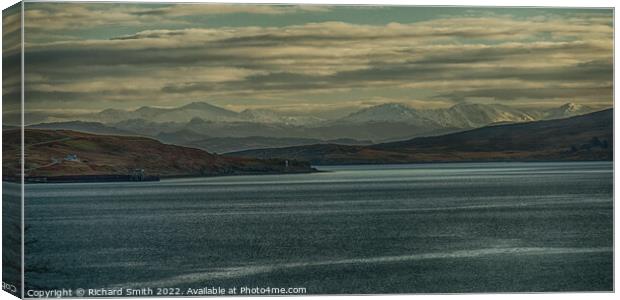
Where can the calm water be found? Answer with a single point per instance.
(356, 229)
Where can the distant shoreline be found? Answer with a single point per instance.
(129, 178)
(152, 178)
(312, 170)
(362, 163)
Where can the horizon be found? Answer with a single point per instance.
(361, 107)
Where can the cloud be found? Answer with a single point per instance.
(218, 9)
(11, 59)
(59, 16)
(445, 60)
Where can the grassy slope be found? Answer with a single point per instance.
(565, 140)
(108, 154)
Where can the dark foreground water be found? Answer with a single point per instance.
(498, 227)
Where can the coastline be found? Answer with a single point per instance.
(313, 169)
(462, 161)
(130, 178)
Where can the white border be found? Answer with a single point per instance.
(489, 3)
(513, 3)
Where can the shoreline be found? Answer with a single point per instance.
(460, 162)
(100, 178)
(154, 178)
(313, 170)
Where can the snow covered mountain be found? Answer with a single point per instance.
(567, 110)
(390, 113)
(477, 115)
(457, 116)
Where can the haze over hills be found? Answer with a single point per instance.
(220, 130)
(90, 127)
(271, 116)
(161, 115)
(200, 110)
(231, 144)
(585, 137)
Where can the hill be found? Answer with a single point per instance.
(88, 127)
(233, 144)
(586, 137)
(177, 114)
(65, 152)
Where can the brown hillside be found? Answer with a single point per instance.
(48, 153)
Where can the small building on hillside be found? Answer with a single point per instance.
(72, 157)
(137, 175)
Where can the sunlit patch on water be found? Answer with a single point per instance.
(242, 271)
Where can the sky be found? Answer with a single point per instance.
(88, 57)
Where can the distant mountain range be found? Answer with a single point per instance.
(585, 137)
(462, 115)
(91, 154)
(161, 115)
(198, 110)
(458, 116)
(216, 129)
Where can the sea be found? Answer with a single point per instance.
(357, 229)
